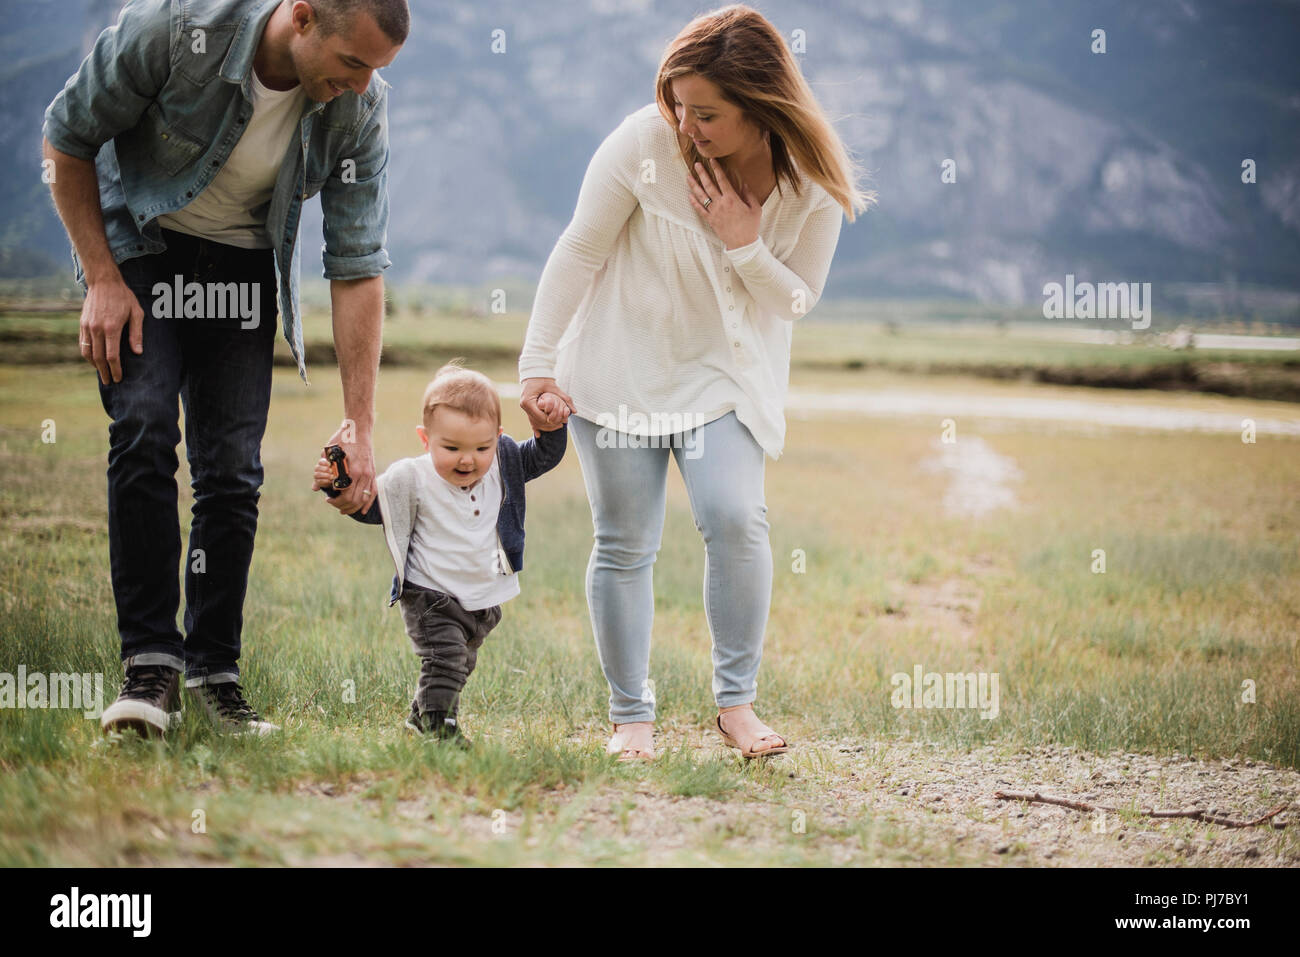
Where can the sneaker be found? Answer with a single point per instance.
(225, 705)
(439, 725)
(148, 704)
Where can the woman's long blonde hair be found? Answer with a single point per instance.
(737, 49)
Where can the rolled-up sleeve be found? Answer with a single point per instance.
(123, 73)
(355, 208)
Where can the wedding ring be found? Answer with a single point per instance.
(707, 200)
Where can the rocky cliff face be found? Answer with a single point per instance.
(1117, 166)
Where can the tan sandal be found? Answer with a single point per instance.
(748, 753)
(618, 745)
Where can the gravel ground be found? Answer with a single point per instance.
(956, 791)
(891, 803)
(936, 807)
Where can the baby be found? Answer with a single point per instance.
(454, 523)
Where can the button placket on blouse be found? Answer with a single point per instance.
(733, 321)
(741, 355)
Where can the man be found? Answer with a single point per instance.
(182, 151)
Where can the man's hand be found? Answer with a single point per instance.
(545, 420)
(361, 467)
(110, 305)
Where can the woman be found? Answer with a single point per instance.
(705, 225)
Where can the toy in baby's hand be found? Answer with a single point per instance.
(331, 472)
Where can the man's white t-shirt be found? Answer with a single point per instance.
(454, 546)
(232, 210)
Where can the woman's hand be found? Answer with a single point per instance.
(733, 216)
(543, 420)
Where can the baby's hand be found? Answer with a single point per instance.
(556, 411)
(323, 476)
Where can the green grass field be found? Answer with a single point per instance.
(1201, 592)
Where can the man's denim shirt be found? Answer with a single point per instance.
(160, 103)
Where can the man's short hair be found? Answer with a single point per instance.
(465, 391)
(392, 16)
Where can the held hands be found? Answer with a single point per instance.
(360, 467)
(553, 406)
(733, 216)
(547, 406)
(322, 478)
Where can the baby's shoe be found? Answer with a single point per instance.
(440, 725)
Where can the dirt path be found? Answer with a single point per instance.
(874, 802)
(980, 480)
(932, 806)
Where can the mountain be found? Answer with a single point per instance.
(1123, 165)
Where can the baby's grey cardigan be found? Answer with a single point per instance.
(398, 500)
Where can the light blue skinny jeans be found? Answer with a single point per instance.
(722, 467)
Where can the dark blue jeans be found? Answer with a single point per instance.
(222, 373)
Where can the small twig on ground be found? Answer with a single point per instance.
(1194, 814)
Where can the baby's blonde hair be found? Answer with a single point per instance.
(464, 390)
